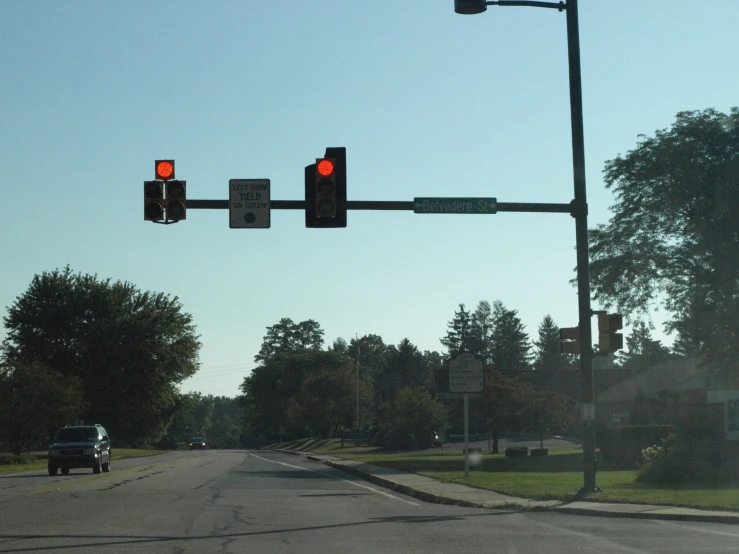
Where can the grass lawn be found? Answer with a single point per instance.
(118, 454)
(555, 477)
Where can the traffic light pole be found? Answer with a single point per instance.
(581, 239)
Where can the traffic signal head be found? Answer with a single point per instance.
(176, 201)
(153, 201)
(164, 169)
(608, 339)
(325, 190)
(569, 340)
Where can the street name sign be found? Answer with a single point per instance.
(465, 373)
(455, 205)
(248, 206)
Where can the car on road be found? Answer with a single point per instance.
(197, 443)
(80, 446)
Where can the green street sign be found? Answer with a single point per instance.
(455, 205)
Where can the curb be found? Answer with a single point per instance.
(293, 452)
(712, 518)
(415, 493)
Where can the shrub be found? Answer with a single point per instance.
(624, 445)
(539, 451)
(394, 438)
(666, 464)
(16, 459)
(517, 452)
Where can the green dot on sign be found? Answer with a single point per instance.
(249, 217)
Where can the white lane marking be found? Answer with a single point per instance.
(383, 493)
(682, 525)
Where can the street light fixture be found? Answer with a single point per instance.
(579, 212)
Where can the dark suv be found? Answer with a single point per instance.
(80, 446)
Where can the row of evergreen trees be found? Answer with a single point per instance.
(498, 337)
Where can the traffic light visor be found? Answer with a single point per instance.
(164, 169)
(325, 167)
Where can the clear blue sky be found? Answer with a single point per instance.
(427, 103)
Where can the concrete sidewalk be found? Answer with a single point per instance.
(431, 490)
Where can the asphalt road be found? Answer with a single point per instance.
(238, 501)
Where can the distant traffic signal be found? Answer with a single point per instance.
(325, 190)
(153, 201)
(569, 340)
(176, 202)
(608, 339)
(165, 198)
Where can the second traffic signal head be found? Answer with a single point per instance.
(325, 190)
(176, 201)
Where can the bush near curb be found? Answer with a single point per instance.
(517, 452)
(539, 451)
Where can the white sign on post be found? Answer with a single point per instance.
(248, 206)
(465, 373)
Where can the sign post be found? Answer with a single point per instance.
(465, 375)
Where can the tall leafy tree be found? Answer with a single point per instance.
(674, 235)
(286, 335)
(412, 419)
(35, 402)
(339, 345)
(129, 348)
(275, 391)
(643, 350)
(548, 411)
(511, 348)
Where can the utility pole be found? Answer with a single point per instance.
(357, 375)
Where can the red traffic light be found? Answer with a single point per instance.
(164, 169)
(325, 167)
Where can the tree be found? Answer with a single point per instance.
(643, 350)
(286, 335)
(327, 401)
(506, 404)
(459, 334)
(412, 419)
(406, 367)
(340, 346)
(673, 238)
(128, 348)
(481, 328)
(548, 355)
(275, 393)
(510, 349)
(35, 402)
(548, 411)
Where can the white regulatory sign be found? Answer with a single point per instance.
(465, 373)
(248, 203)
(588, 411)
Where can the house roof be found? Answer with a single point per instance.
(653, 380)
